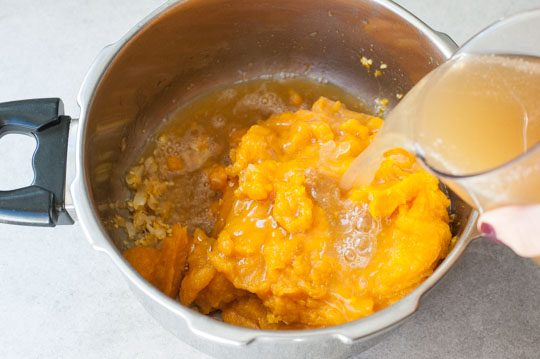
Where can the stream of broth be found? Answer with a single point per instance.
(471, 115)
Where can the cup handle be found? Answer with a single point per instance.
(41, 203)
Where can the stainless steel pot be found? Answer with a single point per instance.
(179, 51)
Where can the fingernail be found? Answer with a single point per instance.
(488, 232)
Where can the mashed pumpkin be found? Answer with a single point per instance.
(287, 248)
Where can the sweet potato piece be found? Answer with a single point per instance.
(226, 205)
(163, 268)
(201, 271)
(144, 260)
(171, 266)
(249, 312)
(218, 294)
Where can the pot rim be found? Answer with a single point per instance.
(202, 325)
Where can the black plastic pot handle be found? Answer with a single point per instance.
(42, 203)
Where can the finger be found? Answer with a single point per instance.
(517, 227)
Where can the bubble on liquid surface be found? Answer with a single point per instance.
(227, 95)
(218, 121)
(358, 235)
(354, 228)
(194, 148)
(263, 101)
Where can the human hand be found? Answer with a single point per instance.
(516, 226)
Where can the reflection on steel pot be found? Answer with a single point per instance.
(179, 51)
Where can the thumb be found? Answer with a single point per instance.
(517, 227)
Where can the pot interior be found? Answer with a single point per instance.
(197, 45)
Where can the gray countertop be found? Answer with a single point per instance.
(61, 299)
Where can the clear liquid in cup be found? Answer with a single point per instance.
(475, 122)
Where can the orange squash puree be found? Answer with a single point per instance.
(163, 268)
(288, 249)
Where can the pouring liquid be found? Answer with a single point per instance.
(468, 117)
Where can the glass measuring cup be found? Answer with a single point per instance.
(474, 122)
(516, 182)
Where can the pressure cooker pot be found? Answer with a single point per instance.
(180, 51)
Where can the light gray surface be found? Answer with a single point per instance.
(61, 299)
